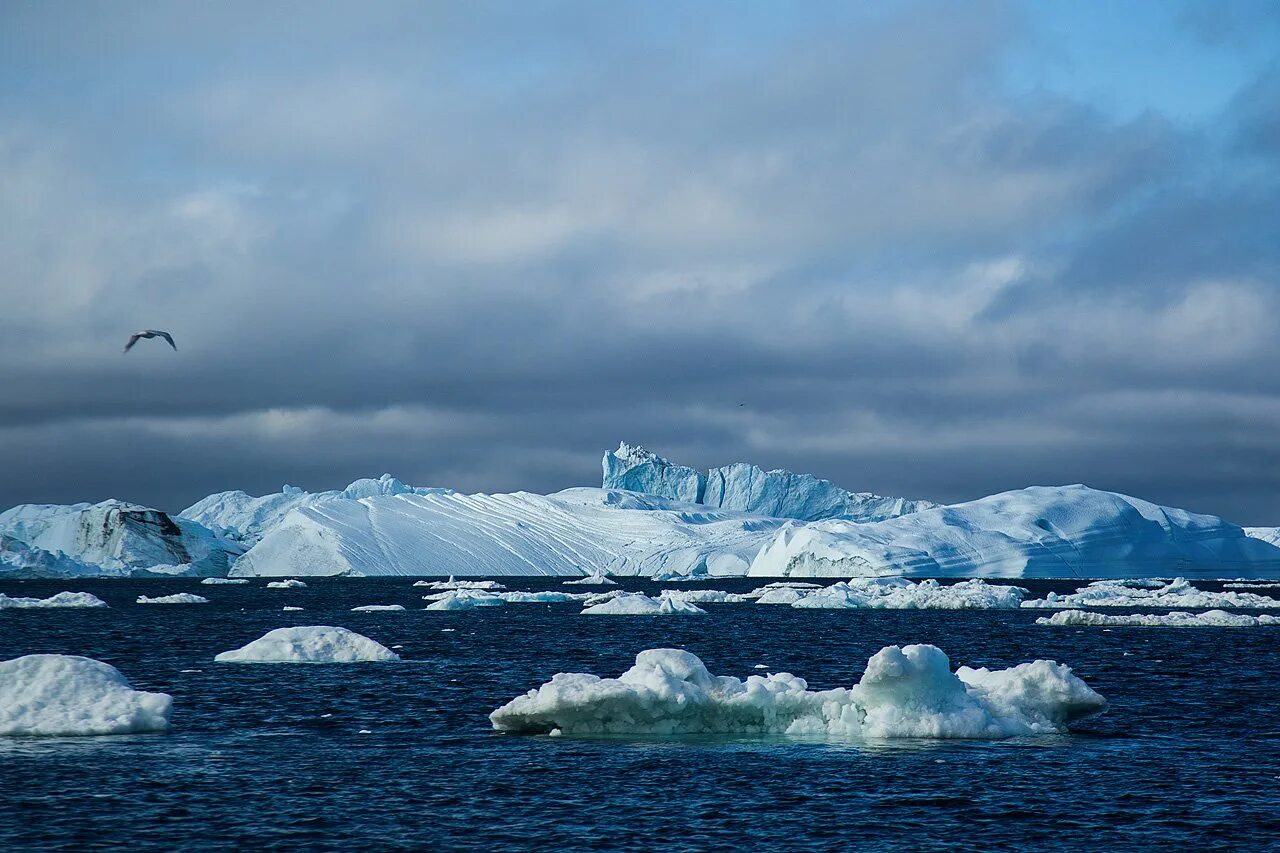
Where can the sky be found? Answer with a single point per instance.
(924, 249)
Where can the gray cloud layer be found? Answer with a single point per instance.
(475, 244)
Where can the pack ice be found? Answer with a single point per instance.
(66, 695)
(1176, 619)
(905, 692)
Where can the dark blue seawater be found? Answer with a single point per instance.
(1187, 756)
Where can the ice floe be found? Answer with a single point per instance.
(902, 594)
(224, 581)
(1177, 594)
(464, 599)
(638, 604)
(290, 583)
(703, 596)
(176, 598)
(365, 608)
(454, 583)
(905, 692)
(594, 579)
(1176, 619)
(310, 644)
(67, 695)
(62, 599)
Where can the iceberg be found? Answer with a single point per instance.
(1270, 535)
(1178, 593)
(595, 579)
(703, 596)
(366, 608)
(62, 599)
(902, 594)
(310, 644)
(1176, 619)
(748, 488)
(249, 518)
(212, 581)
(905, 692)
(68, 696)
(464, 599)
(288, 583)
(638, 604)
(452, 583)
(546, 597)
(176, 598)
(111, 538)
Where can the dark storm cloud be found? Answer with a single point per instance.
(476, 245)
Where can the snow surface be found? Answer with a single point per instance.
(638, 604)
(176, 598)
(902, 594)
(595, 579)
(62, 599)
(250, 518)
(289, 583)
(310, 644)
(747, 488)
(1270, 535)
(111, 538)
(1176, 619)
(67, 696)
(1178, 593)
(905, 692)
(1066, 531)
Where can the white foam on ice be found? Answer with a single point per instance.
(1176, 619)
(905, 692)
(67, 695)
(1179, 593)
(902, 594)
(176, 598)
(638, 604)
(62, 599)
(310, 644)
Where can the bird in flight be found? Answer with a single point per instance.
(150, 333)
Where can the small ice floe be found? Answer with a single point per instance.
(452, 583)
(364, 732)
(397, 647)
(703, 596)
(1176, 619)
(213, 581)
(62, 599)
(287, 608)
(905, 692)
(593, 579)
(67, 695)
(463, 599)
(638, 604)
(191, 670)
(310, 644)
(901, 594)
(545, 597)
(371, 607)
(760, 666)
(176, 598)
(447, 630)
(287, 583)
(325, 716)
(1178, 594)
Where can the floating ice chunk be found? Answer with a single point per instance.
(465, 599)
(67, 695)
(594, 579)
(452, 583)
(370, 607)
(288, 583)
(62, 599)
(902, 594)
(1176, 619)
(309, 644)
(287, 608)
(1251, 585)
(638, 604)
(760, 591)
(782, 595)
(176, 598)
(547, 597)
(702, 596)
(1178, 593)
(904, 692)
(213, 581)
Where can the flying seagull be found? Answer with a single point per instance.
(150, 333)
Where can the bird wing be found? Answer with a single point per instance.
(133, 339)
(168, 337)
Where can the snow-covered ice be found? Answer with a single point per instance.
(62, 599)
(288, 609)
(902, 594)
(67, 695)
(1176, 619)
(703, 596)
(289, 583)
(594, 579)
(224, 581)
(546, 597)
(376, 607)
(638, 604)
(176, 598)
(907, 692)
(310, 644)
(1178, 593)
(454, 583)
(464, 599)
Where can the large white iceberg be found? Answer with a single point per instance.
(111, 538)
(310, 644)
(1178, 593)
(66, 695)
(176, 598)
(1042, 531)
(904, 693)
(748, 488)
(249, 518)
(902, 594)
(62, 599)
(1176, 619)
